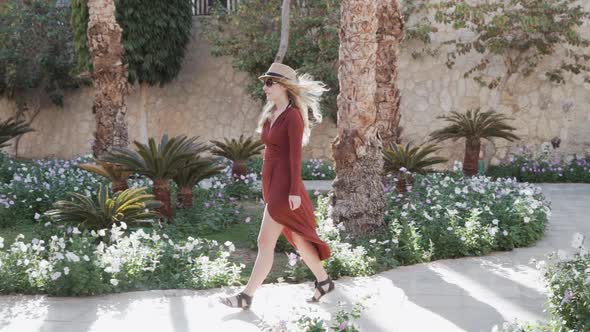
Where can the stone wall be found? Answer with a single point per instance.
(207, 99)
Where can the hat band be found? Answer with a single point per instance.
(275, 75)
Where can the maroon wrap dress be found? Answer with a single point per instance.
(281, 177)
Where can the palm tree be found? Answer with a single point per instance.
(158, 162)
(473, 126)
(132, 206)
(109, 76)
(196, 170)
(113, 172)
(368, 111)
(238, 151)
(403, 162)
(10, 129)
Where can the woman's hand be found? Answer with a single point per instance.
(294, 202)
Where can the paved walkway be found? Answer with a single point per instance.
(467, 294)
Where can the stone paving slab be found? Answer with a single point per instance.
(468, 294)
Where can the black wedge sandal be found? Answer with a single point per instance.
(318, 286)
(241, 297)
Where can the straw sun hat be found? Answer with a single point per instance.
(280, 72)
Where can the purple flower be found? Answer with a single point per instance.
(292, 259)
(343, 326)
(567, 297)
(207, 205)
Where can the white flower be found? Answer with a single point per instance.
(86, 258)
(248, 219)
(495, 221)
(55, 275)
(102, 232)
(37, 216)
(577, 240)
(372, 241)
(526, 220)
(66, 270)
(505, 232)
(449, 228)
(493, 231)
(463, 238)
(230, 246)
(114, 282)
(72, 257)
(76, 231)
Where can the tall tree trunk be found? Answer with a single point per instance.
(471, 159)
(370, 34)
(109, 76)
(284, 43)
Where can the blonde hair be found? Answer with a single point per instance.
(305, 94)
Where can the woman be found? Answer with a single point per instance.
(284, 125)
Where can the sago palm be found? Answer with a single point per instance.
(196, 170)
(238, 151)
(473, 126)
(132, 206)
(10, 129)
(158, 162)
(399, 160)
(114, 172)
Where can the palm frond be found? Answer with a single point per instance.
(197, 170)
(157, 161)
(474, 125)
(413, 158)
(237, 150)
(11, 128)
(102, 210)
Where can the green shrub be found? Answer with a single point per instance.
(155, 37)
(82, 264)
(452, 216)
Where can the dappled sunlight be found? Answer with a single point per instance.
(503, 296)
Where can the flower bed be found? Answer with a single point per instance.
(89, 263)
(545, 166)
(448, 216)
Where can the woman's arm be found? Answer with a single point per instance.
(295, 133)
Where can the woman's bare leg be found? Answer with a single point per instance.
(312, 260)
(270, 231)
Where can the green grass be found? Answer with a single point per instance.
(237, 234)
(10, 232)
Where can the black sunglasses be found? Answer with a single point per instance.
(269, 82)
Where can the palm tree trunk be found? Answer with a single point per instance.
(162, 194)
(239, 168)
(471, 159)
(185, 197)
(120, 185)
(109, 76)
(370, 33)
(401, 185)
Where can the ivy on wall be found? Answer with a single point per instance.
(155, 36)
